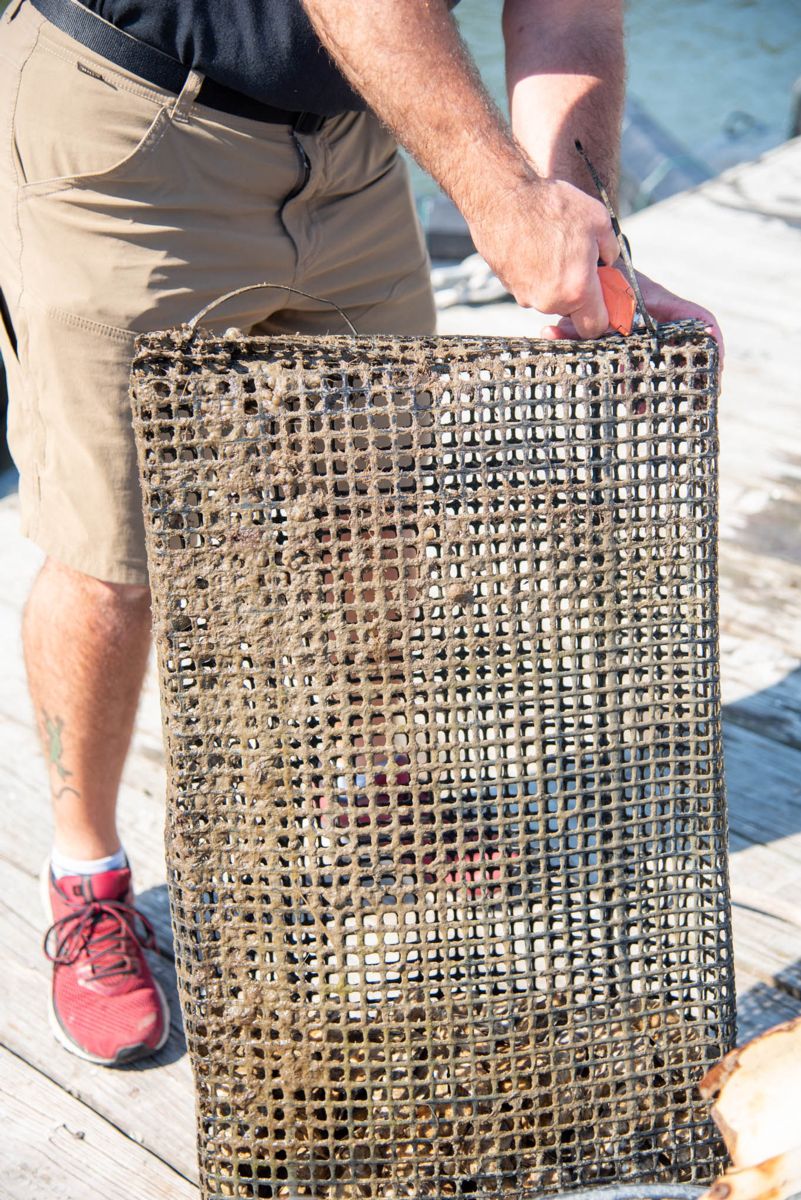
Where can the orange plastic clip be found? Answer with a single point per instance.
(620, 301)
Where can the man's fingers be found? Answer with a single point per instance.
(591, 318)
(564, 331)
(666, 306)
(608, 248)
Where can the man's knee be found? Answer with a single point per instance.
(134, 599)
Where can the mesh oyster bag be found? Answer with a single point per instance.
(446, 838)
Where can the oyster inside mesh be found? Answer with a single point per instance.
(516, 1098)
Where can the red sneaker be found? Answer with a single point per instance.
(105, 1004)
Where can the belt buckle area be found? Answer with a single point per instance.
(308, 122)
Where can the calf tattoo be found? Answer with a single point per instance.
(55, 749)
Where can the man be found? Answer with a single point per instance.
(157, 154)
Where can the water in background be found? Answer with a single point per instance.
(717, 74)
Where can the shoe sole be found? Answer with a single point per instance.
(127, 1054)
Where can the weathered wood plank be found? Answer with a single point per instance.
(760, 1006)
(768, 950)
(759, 593)
(764, 868)
(764, 788)
(52, 1145)
(761, 687)
(767, 914)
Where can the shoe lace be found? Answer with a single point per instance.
(103, 931)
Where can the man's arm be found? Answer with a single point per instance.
(565, 73)
(541, 236)
(566, 79)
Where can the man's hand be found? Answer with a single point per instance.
(543, 240)
(661, 304)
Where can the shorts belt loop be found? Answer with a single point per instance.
(189, 92)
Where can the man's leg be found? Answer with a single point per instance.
(86, 644)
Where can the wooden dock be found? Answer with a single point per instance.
(72, 1131)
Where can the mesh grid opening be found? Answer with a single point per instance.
(437, 635)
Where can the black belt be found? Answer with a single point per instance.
(159, 69)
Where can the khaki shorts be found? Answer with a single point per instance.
(123, 209)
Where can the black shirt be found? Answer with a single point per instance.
(264, 48)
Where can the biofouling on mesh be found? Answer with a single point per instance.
(437, 633)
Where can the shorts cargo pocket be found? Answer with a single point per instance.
(75, 123)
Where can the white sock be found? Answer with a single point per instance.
(62, 865)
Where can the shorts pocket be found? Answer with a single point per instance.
(10, 11)
(74, 123)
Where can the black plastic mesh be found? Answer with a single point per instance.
(437, 630)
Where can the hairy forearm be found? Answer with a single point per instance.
(405, 57)
(565, 71)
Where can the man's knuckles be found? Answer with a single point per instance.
(574, 289)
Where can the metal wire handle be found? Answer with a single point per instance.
(284, 287)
